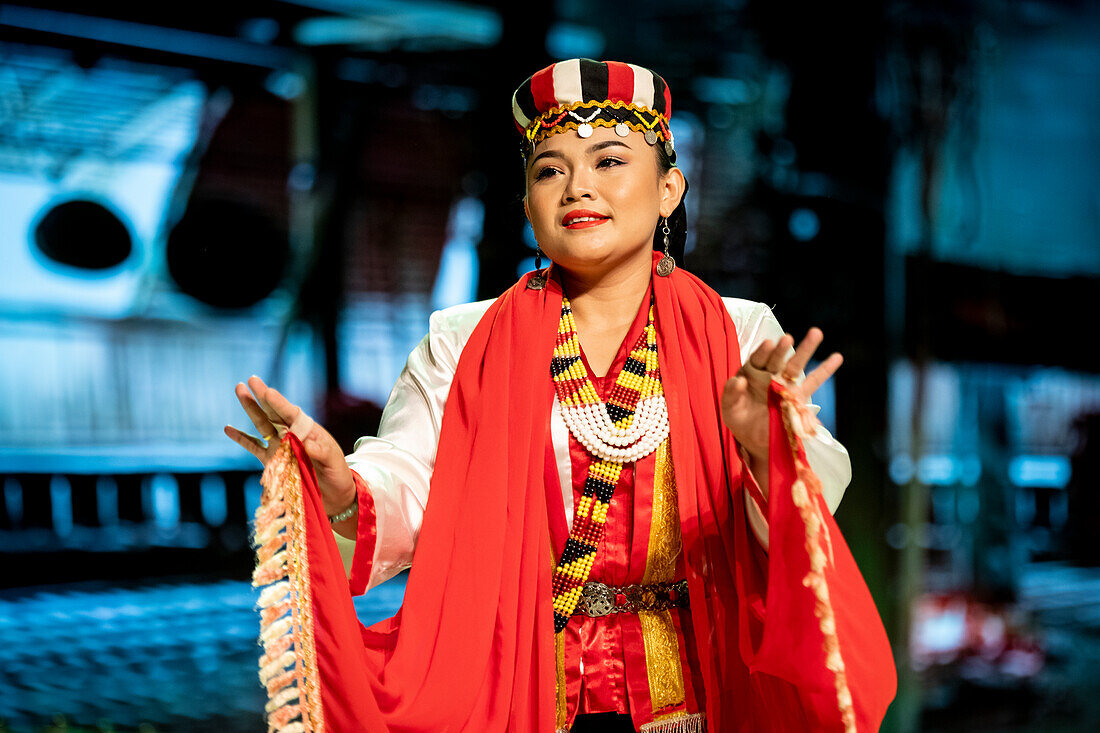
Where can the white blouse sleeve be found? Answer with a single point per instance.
(756, 323)
(397, 464)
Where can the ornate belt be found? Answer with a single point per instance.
(600, 599)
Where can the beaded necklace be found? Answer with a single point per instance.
(629, 426)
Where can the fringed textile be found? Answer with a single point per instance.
(288, 667)
(819, 548)
(696, 723)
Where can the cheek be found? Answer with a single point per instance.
(537, 219)
(643, 202)
(539, 211)
(639, 189)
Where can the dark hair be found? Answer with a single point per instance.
(677, 221)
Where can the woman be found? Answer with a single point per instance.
(630, 522)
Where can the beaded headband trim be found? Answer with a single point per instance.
(584, 116)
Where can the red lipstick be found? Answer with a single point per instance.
(589, 219)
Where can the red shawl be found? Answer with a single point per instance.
(791, 643)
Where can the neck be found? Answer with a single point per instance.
(608, 298)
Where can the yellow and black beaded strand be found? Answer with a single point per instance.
(639, 379)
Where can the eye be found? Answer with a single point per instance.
(545, 172)
(610, 162)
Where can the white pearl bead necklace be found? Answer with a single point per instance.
(593, 428)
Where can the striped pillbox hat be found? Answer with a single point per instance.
(580, 94)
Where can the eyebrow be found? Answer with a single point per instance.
(594, 148)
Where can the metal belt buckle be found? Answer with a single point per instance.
(597, 598)
(635, 595)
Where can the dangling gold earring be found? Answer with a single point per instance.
(667, 263)
(538, 280)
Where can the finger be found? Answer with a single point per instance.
(759, 358)
(253, 410)
(301, 424)
(278, 408)
(779, 356)
(802, 354)
(253, 445)
(260, 389)
(823, 371)
(734, 390)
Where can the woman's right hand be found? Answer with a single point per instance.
(273, 415)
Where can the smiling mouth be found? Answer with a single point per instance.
(583, 222)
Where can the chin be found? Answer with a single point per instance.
(585, 258)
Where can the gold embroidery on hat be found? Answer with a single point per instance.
(536, 133)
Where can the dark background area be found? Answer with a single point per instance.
(192, 194)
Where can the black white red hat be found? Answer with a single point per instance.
(580, 94)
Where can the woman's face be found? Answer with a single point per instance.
(594, 202)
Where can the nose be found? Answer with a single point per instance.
(578, 186)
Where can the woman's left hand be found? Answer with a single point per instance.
(745, 396)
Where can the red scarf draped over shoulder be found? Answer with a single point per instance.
(790, 642)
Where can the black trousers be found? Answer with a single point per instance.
(602, 723)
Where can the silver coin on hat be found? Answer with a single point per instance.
(622, 130)
(668, 148)
(651, 137)
(584, 129)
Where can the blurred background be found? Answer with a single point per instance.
(192, 195)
